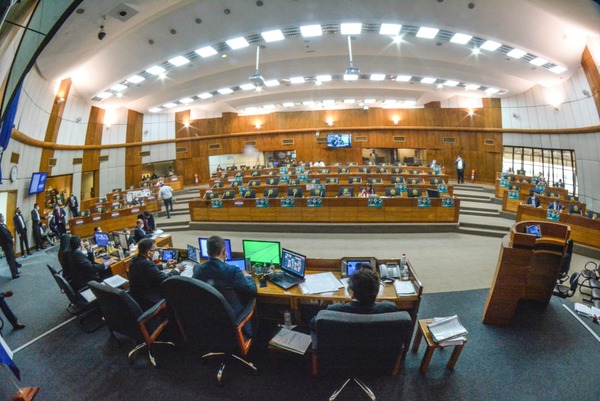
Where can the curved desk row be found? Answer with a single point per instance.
(148, 195)
(511, 205)
(175, 182)
(526, 187)
(114, 220)
(331, 210)
(584, 231)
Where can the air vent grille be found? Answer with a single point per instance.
(287, 141)
(145, 153)
(489, 142)
(399, 139)
(449, 140)
(362, 138)
(214, 146)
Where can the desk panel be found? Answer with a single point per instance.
(115, 220)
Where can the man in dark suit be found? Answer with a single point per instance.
(554, 205)
(8, 312)
(59, 217)
(83, 266)
(533, 200)
(145, 276)
(36, 227)
(73, 205)
(148, 220)
(236, 286)
(139, 233)
(21, 230)
(6, 243)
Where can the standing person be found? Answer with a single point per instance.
(145, 276)
(166, 194)
(73, 205)
(21, 230)
(460, 169)
(36, 227)
(9, 313)
(59, 216)
(6, 242)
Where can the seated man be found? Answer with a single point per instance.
(145, 276)
(140, 233)
(533, 200)
(83, 266)
(554, 205)
(237, 286)
(148, 219)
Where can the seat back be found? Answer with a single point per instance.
(574, 209)
(119, 309)
(65, 287)
(205, 319)
(52, 270)
(250, 193)
(296, 192)
(359, 343)
(271, 192)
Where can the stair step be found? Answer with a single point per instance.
(479, 213)
(482, 232)
(500, 228)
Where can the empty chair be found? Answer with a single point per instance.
(414, 192)
(211, 195)
(356, 344)
(566, 263)
(235, 184)
(84, 213)
(382, 170)
(228, 194)
(575, 209)
(364, 170)
(414, 181)
(218, 184)
(397, 180)
(343, 170)
(563, 291)
(256, 173)
(99, 209)
(346, 192)
(271, 192)
(124, 316)
(396, 170)
(296, 192)
(354, 180)
(590, 272)
(314, 181)
(254, 183)
(435, 181)
(207, 322)
(590, 214)
(376, 180)
(317, 192)
(294, 181)
(392, 191)
(273, 181)
(331, 180)
(116, 206)
(102, 199)
(250, 194)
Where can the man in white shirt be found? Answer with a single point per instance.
(166, 194)
(460, 169)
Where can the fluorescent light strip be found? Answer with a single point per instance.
(350, 77)
(323, 78)
(186, 100)
(538, 61)
(428, 80)
(472, 87)
(155, 70)
(271, 83)
(225, 91)
(237, 43)
(135, 79)
(490, 45)
(557, 69)
(451, 83)
(205, 95)
(169, 105)
(516, 53)
(377, 77)
(272, 36)
(206, 51)
(104, 95)
(247, 87)
(390, 29)
(118, 88)
(403, 78)
(461, 38)
(308, 31)
(297, 80)
(427, 33)
(179, 61)
(351, 28)
(155, 110)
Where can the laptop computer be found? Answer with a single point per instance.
(292, 270)
(240, 263)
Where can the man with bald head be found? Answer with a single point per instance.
(139, 233)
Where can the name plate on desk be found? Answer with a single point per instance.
(443, 188)
(401, 187)
(238, 203)
(553, 215)
(375, 202)
(262, 202)
(96, 218)
(314, 201)
(135, 210)
(288, 202)
(114, 214)
(78, 222)
(284, 178)
(216, 203)
(243, 189)
(504, 183)
(424, 201)
(303, 177)
(513, 194)
(447, 201)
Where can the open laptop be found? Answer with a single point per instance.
(240, 263)
(292, 270)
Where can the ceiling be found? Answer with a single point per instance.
(144, 33)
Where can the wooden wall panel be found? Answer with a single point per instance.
(133, 161)
(592, 74)
(93, 137)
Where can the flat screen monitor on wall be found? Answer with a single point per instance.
(335, 141)
(38, 183)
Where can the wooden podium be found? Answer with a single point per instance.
(527, 268)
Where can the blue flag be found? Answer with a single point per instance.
(6, 358)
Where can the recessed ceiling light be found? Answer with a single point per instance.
(135, 79)
(205, 95)
(155, 110)
(377, 77)
(351, 28)
(557, 69)
(369, 101)
(403, 78)
(389, 101)
(297, 80)
(491, 91)
(328, 102)
(428, 80)
(119, 94)
(169, 105)
(451, 83)
(311, 30)
(349, 101)
(308, 103)
(206, 51)
(516, 53)
(427, 33)
(476, 50)
(390, 29)
(247, 87)
(323, 78)
(179, 61)
(409, 103)
(538, 61)
(237, 43)
(104, 95)
(490, 45)
(186, 100)
(118, 87)
(461, 38)
(272, 36)
(155, 70)
(250, 109)
(471, 87)
(225, 91)
(269, 106)
(350, 77)
(287, 104)
(272, 82)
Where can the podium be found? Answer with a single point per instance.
(528, 267)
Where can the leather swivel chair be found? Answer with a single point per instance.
(354, 344)
(123, 315)
(207, 322)
(564, 291)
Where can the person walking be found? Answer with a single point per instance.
(21, 231)
(166, 194)
(6, 243)
(460, 169)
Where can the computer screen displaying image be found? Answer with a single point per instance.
(204, 248)
(262, 251)
(293, 262)
(167, 254)
(240, 263)
(101, 239)
(193, 253)
(120, 239)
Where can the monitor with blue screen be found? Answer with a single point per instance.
(351, 265)
(193, 253)
(167, 254)
(204, 248)
(265, 252)
(101, 239)
(240, 263)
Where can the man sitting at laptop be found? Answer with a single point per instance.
(237, 286)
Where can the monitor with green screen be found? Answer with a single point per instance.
(262, 251)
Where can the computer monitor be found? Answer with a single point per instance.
(293, 262)
(167, 254)
(204, 248)
(240, 263)
(101, 239)
(351, 265)
(193, 253)
(433, 193)
(262, 251)
(120, 239)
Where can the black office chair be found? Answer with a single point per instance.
(254, 183)
(563, 291)
(206, 320)
(364, 170)
(575, 209)
(317, 192)
(124, 316)
(591, 277)
(229, 194)
(250, 194)
(566, 263)
(392, 192)
(273, 181)
(331, 180)
(99, 210)
(382, 170)
(294, 181)
(590, 214)
(271, 192)
(354, 344)
(211, 195)
(84, 213)
(296, 192)
(315, 181)
(218, 184)
(397, 180)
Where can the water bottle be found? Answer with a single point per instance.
(403, 267)
(287, 319)
(121, 253)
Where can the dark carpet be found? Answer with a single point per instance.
(544, 355)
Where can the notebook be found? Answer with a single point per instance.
(292, 270)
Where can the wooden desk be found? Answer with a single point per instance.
(113, 220)
(423, 331)
(175, 182)
(122, 266)
(511, 205)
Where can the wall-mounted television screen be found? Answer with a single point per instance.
(335, 141)
(38, 183)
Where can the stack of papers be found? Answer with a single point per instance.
(404, 288)
(587, 311)
(291, 340)
(319, 283)
(116, 281)
(447, 331)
